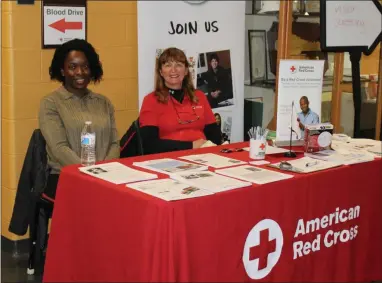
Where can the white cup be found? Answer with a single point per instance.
(257, 149)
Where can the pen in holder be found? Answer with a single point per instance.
(257, 142)
(257, 148)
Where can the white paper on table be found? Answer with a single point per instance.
(358, 145)
(271, 149)
(254, 174)
(209, 181)
(168, 189)
(116, 173)
(169, 166)
(213, 160)
(299, 165)
(343, 156)
(341, 137)
(259, 162)
(376, 150)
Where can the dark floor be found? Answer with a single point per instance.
(14, 268)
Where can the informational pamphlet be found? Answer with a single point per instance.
(254, 174)
(117, 173)
(169, 166)
(271, 149)
(344, 157)
(359, 145)
(305, 165)
(168, 189)
(299, 97)
(213, 160)
(209, 181)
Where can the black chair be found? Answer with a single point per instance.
(32, 207)
(43, 208)
(131, 141)
(38, 231)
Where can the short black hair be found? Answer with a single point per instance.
(62, 51)
(214, 56)
(305, 98)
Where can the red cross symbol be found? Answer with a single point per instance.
(292, 69)
(262, 146)
(262, 250)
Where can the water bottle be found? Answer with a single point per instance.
(88, 157)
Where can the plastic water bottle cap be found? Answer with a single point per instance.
(88, 122)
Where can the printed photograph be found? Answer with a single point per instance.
(224, 121)
(192, 176)
(97, 170)
(305, 115)
(214, 78)
(188, 166)
(204, 175)
(197, 176)
(253, 169)
(200, 160)
(163, 192)
(189, 190)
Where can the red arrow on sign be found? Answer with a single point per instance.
(62, 26)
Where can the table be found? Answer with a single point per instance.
(103, 232)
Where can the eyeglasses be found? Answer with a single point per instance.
(229, 150)
(184, 122)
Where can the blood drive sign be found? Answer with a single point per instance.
(63, 23)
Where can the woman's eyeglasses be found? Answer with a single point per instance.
(184, 122)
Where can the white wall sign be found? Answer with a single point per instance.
(297, 78)
(61, 24)
(197, 27)
(351, 24)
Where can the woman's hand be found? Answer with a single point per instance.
(198, 143)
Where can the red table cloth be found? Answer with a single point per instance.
(323, 226)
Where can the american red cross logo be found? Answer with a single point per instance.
(292, 69)
(263, 250)
(262, 146)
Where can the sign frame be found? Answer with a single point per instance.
(365, 49)
(50, 3)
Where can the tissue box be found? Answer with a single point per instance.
(318, 137)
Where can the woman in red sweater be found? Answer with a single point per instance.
(176, 116)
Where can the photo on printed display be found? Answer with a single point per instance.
(214, 78)
(299, 97)
(224, 121)
(191, 62)
(305, 112)
(97, 170)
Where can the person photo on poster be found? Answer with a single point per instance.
(224, 122)
(216, 80)
(306, 116)
(218, 119)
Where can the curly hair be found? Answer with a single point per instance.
(177, 55)
(96, 71)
